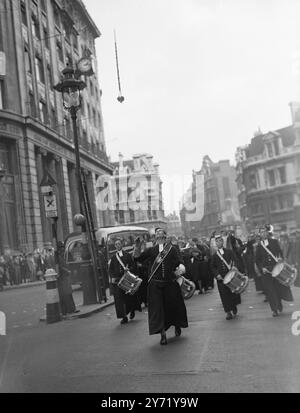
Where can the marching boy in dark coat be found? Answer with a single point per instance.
(229, 299)
(274, 290)
(124, 303)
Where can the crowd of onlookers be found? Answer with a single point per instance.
(17, 268)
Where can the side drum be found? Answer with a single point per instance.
(236, 281)
(187, 287)
(129, 283)
(284, 273)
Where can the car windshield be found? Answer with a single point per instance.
(128, 239)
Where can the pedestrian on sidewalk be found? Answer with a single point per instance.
(124, 303)
(222, 260)
(64, 283)
(166, 305)
(266, 252)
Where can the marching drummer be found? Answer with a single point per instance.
(166, 306)
(268, 254)
(222, 262)
(124, 303)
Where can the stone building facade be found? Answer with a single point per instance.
(130, 173)
(268, 178)
(37, 39)
(220, 201)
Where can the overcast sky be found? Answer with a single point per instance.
(198, 76)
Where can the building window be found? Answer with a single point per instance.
(131, 215)
(282, 175)
(116, 216)
(1, 93)
(75, 41)
(24, 14)
(35, 27)
(28, 67)
(271, 178)
(49, 77)
(253, 181)
(43, 6)
(270, 150)
(32, 104)
(67, 35)
(46, 38)
(226, 187)
(273, 204)
(280, 202)
(39, 69)
(53, 118)
(43, 112)
(121, 216)
(276, 147)
(290, 200)
(56, 15)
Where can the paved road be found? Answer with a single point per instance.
(254, 353)
(25, 306)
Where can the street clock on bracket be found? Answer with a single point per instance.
(85, 66)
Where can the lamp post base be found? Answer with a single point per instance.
(88, 284)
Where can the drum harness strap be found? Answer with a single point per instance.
(222, 259)
(121, 262)
(269, 252)
(159, 260)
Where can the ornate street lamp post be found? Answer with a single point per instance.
(70, 87)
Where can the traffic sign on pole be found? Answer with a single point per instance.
(50, 206)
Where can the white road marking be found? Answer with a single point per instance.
(24, 311)
(210, 309)
(251, 307)
(16, 326)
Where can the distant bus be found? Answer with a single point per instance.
(106, 240)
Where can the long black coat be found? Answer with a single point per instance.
(124, 303)
(166, 306)
(274, 290)
(193, 269)
(229, 299)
